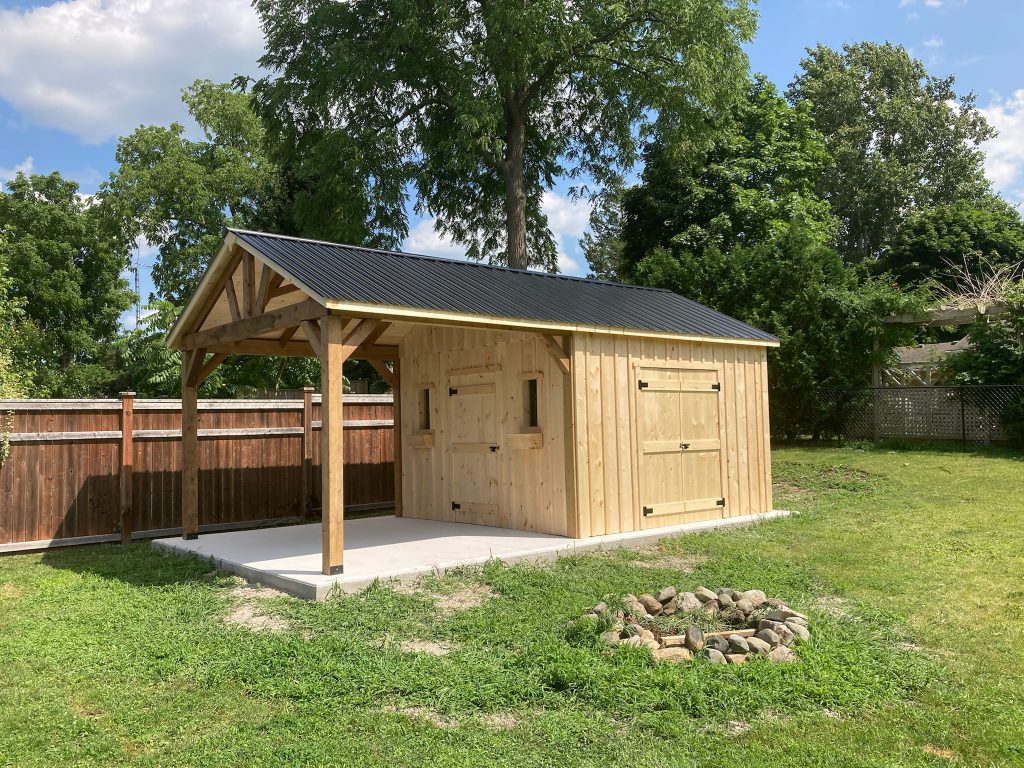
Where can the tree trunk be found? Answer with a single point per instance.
(515, 192)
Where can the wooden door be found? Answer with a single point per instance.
(473, 449)
(679, 431)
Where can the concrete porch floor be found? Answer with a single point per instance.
(288, 558)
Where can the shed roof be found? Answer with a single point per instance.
(348, 274)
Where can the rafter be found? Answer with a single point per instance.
(249, 327)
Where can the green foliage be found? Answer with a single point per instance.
(974, 234)
(479, 107)
(739, 228)
(996, 354)
(898, 139)
(178, 194)
(62, 293)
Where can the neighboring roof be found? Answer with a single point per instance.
(347, 273)
(930, 353)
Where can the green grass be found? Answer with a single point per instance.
(908, 563)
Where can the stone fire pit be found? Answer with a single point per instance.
(724, 626)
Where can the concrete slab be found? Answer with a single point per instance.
(288, 558)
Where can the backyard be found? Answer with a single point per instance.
(907, 563)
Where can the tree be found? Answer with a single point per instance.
(969, 233)
(178, 194)
(739, 227)
(12, 381)
(481, 106)
(899, 139)
(64, 267)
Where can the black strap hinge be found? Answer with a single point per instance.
(648, 511)
(716, 387)
(455, 506)
(644, 385)
(721, 502)
(453, 391)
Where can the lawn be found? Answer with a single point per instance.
(908, 563)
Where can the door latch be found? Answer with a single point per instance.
(684, 446)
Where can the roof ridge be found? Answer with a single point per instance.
(477, 264)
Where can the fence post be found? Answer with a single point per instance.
(963, 421)
(307, 451)
(127, 459)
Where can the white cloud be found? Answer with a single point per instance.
(567, 218)
(933, 42)
(99, 68)
(1004, 161)
(25, 166)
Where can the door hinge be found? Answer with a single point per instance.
(644, 385)
(453, 391)
(455, 506)
(716, 387)
(493, 448)
(648, 511)
(721, 502)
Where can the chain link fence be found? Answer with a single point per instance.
(969, 414)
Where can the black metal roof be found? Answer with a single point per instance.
(372, 276)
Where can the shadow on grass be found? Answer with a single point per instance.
(908, 446)
(138, 564)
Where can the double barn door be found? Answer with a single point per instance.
(679, 439)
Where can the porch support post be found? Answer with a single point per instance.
(396, 395)
(332, 459)
(189, 445)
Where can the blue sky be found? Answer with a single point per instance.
(76, 74)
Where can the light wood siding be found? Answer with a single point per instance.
(530, 464)
(604, 371)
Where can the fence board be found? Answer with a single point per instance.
(62, 480)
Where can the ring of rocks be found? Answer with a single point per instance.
(754, 625)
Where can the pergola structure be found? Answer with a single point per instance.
(537, 402)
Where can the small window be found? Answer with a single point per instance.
(423, 410)
(531, 416)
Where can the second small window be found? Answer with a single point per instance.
(531, 415)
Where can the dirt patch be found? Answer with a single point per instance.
(500, 721)
(946, 754)
(255, 620)
(831, 605)
(246, 591)
(791, 490)
(425, 715)
(682, 563)
(10, 591)
(463, 599)
(429, 647)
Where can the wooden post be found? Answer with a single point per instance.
(307, 451)
(189, 447)
(127, 457)
(332, 454)
(396, 416)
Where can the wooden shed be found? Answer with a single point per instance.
(523, 400)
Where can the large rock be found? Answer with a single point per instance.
(634, 606)
(736, 658)
(786, 636)
(650, 602)
(726, 591)
(635, 641)
(758, 646)
(674, 654)
(646, 635)
(769, 624)
(744, 606)
(611, 637)
(665, 595)
(732, 615)
(769, 636)
(738, 644)
(719, 643)
(599, 608)
(704, 594)
(652, 644)
(796, 620)
(689, 602)
(725, 600)
(669, 608)
(756, 596)
(694, 637)
(781, 654)
(783, 613)
(799, 631)
(633, 630)
(715, 656)
(712, 607)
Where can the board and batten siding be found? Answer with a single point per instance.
(605, 446)
(531, 463)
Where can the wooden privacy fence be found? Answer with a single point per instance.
(98, 470)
